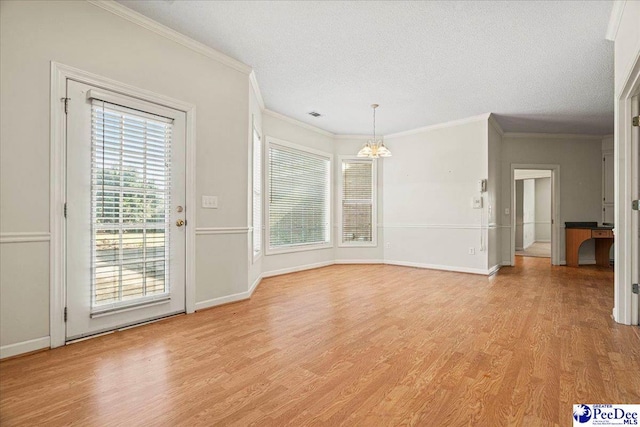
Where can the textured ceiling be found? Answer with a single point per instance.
(539, 66)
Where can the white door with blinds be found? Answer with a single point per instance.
(125, 229)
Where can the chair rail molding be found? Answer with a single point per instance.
(25, 236)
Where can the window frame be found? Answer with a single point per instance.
(268, 250)
(374, 203)
(256, 255)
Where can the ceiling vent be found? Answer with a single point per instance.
(315, 114)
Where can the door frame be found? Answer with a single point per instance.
(57, 194)
(555, 208)
(625, 308)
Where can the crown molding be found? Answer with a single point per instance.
(288, 119)
(256, 89)
(574, 136)
(472, 119)
(614, 19)
(352, 137)
(493, 122)
(148, 23)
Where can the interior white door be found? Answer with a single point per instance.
(125, 231)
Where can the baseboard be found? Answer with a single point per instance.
(255, 284)
(542, 241)
(494, 269)
(519, 249)
(439, 267)
(24, 347)
(296, 269)
(591, 261)
(506, 264)
(359, 261)
(222, 300)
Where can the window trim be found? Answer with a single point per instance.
(374, 203)
(268, 250)
(255, 256)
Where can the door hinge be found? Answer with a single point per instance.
(65, 314)
(66, 104)
(635, 121)
(65, 209)
(634, 288)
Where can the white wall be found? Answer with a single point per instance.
(494, 195)
(255, 120)
(428, 188)
(580, 179)
(627, 53)
(88, 37)
(543, 209)
(519, 212)
(528, 212)
(289, 130)
(627, 43)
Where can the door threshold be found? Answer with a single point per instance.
(123, 328)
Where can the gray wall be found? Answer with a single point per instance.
(519, 214)
(580, 180)
(528, 213)
(543, 209)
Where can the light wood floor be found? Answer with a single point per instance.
(537, 249)
(351, 345)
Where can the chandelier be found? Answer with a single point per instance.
(374, 148)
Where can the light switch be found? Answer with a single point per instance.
(210, 202)
(506, 211)
(477, 202)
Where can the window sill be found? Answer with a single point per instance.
(358, 245)
(301, 248)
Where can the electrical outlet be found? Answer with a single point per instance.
(472, 251)
(476, 202)
(506, 211)
(210, 202)
(387, 245)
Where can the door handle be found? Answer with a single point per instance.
(180, 222)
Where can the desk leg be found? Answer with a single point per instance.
(571, 254)
(603, 247)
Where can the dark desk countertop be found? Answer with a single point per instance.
(590, 225)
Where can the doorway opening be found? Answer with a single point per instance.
(535, 208)
(533, 212)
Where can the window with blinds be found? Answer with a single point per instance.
(130, 206)
(299, 198)
(257, 194)
(358, 202)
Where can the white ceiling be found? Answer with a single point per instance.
(539, 66)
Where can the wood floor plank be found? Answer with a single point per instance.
(350, 345)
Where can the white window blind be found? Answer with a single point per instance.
(130, 202)
(257, 193)
(357, 201)
(299, 198)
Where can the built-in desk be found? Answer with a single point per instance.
(579, 232)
